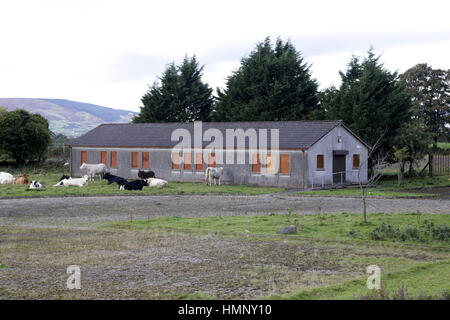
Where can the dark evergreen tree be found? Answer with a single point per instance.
(272, 83)
(180, 96)
(430, 90)
(370, 100)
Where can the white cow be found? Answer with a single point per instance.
(6, 178)
(80, 182)
(213, 174)
(155, 182)
(94, 169)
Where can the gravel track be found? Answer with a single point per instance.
(74, 210)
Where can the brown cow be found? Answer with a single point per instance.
(22, 180)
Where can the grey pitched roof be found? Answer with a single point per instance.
(292, 134)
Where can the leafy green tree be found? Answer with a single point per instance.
(3, 111)
(23, 135)
(272, 83)
(180, 95)
(411, 145)
(370, 100)
(430, 90)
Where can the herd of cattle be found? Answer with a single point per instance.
(146, 178)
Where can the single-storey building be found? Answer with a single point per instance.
(300, 154)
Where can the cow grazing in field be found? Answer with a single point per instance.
(6, 178)
(64, 177)
(22, 180)
(112, 178)
(94, 169)
(35, 185)
(133, 185)
(80, 182)
(213, 174)
(146, 174)
(154, 182)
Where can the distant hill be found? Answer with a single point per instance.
(68, 117)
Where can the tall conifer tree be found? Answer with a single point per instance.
(180, 95)
(272, 83)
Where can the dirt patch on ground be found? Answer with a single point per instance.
(149, 265)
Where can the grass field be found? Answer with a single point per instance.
(420, 262)
(101, 187)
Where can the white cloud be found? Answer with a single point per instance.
(106, 52)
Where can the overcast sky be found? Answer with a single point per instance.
(108, 52)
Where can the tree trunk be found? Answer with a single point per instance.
(411, 168)
(431, 158)
(401, 173)
(364, 204)
(430, 164)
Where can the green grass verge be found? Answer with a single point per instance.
(389, 188)
(343, 226)
(372, 192)
(417, 183)
(4, 266)
(101, 187)
(429, 278)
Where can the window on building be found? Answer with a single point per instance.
(176, 161)
(356, 161)
(320, 162)
(187, 160)
(145, 160)
(135, 159)
(84, 157)
(104, 158)
(256, 163)
(270, 163)
(285, 164)
(113, 159)
(212, 160)
(199, 162)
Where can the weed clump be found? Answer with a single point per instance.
(425, 232)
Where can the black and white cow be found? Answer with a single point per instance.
(133, 185)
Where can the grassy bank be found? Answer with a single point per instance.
(421, 281)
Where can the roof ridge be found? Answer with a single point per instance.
(219, 122)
